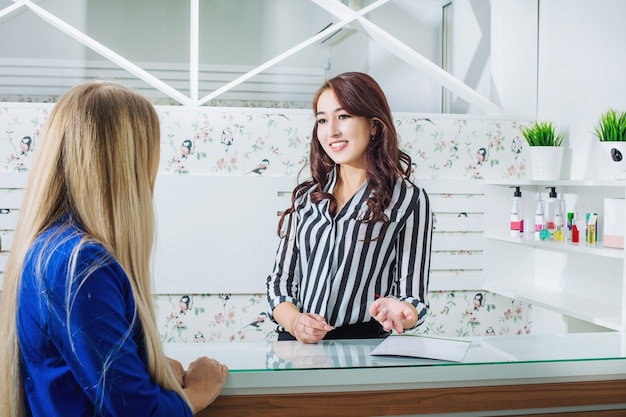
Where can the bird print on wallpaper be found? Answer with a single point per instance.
(224, 298)
(482, 155)
(199, 338)
(258, 321)
(26, 145)
(516, 146)
(184, 304)
(260, 168)
(479, 300)
(226, 138)
(187, 148)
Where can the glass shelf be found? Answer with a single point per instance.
(556, 183)
(578, 306)
(584, 281)
(566, 247)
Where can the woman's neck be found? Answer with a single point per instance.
(349, 181)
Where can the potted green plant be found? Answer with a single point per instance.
(612, 126)
(611, 134)
(546, 151)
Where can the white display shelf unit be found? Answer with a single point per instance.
(584, 281)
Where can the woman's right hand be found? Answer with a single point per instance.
(204, 381)
(309, 327)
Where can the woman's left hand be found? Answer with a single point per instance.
(392, 314)
(179, 371)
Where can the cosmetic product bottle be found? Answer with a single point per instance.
(570, 219)
(575, 233)
(517, 219)
(563, 209)
(559, 223)
(552, 205)
(528, 228)
(591, 228)
(539, 217)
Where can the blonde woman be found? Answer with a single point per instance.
(78, 334)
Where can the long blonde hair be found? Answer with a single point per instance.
(97, 161)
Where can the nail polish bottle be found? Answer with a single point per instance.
(575, 232)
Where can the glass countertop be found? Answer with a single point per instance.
(347, 354)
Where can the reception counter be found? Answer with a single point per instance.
(571, 375)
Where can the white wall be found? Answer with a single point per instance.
(514, 56)
(21, 33)
(140, 30)
(418, 25)
(471, 44)
(576, 75)
(239, 32)
(235, 32)
(582, 62)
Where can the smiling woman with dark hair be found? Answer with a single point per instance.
(353, 260)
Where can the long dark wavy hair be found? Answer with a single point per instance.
(359, 95)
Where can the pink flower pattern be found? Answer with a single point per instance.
(440, 148)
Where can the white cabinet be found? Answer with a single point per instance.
(578, 280)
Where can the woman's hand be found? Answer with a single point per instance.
(305, 327)
(177, 368)
(204, 381)
(309, 327)
(393, 314)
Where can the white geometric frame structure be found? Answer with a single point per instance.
(347, 16)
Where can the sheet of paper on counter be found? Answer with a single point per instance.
(419, 346)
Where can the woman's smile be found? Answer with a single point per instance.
(338, 146)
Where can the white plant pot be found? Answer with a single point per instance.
(611, 160)
(545, 162)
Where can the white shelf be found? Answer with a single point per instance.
(603, 314)
(566, 247)
(583, 281)
(556, 183)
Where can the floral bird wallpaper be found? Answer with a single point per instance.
(275, 142)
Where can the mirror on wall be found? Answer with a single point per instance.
(250, 53)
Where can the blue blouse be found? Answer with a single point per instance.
(91, 362)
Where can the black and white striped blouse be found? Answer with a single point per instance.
(332, 266)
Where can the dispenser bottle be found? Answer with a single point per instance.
(539, 217)
(552, 206)
(517, 219)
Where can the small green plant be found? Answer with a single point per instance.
(612, 127)
(542, 133)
